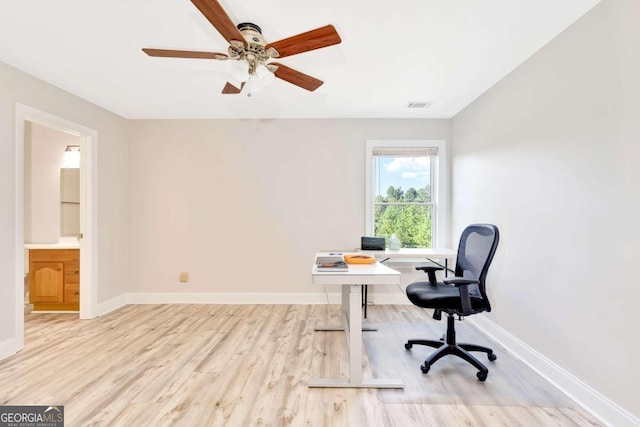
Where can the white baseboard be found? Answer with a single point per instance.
(112, 304)
(254, 298)
(241, 298)
(229, 298)
(8, 348)
(591, 400)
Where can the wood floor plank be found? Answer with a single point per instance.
(248, 365)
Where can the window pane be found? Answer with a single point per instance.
(403, 179)
(411, 223)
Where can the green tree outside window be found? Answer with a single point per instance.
(405, 213)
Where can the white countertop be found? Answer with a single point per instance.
(63, 243)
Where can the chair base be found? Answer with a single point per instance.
(448, 345)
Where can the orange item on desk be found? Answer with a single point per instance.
(359, 259)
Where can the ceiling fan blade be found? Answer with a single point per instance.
(166, 53)
(229, 89)
(212, 10)
(304, 42)
(296, 77)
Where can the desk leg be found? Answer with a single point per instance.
(352, 312)
(364, 299)
(355, 334)
(346, 309)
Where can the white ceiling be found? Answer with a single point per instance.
(447, 52)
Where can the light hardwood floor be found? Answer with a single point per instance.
(248, 365)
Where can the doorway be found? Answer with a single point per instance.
(87, 140)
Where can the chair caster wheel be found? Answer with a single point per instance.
(492, 357)
(425, 368)
(407, 346)
(482, 375)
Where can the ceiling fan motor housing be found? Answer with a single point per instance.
(254, 51)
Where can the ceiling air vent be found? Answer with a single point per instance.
(419, 104)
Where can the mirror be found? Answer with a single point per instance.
(69, 202)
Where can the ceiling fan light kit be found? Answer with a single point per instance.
(250, 52)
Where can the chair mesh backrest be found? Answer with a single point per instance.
(477, 246)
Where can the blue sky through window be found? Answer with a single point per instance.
(404, 172)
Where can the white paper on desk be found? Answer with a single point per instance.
(331, 263)
(328, 259)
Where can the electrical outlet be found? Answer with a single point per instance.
(184, 277)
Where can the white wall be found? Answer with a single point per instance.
(551, 154)
(243, 205)
(112, 268)
(43, 159)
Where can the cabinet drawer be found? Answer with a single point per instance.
(72, 272)
(71, 293)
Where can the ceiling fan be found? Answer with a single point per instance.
(252, 51)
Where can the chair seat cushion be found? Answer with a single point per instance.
(445, 297)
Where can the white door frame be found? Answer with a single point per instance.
(88, 209)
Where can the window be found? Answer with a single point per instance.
(406, 191)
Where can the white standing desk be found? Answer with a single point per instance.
(351, 281)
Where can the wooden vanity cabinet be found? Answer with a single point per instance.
(54, 279)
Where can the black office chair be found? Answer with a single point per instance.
(462, 295)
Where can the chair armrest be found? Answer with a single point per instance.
(463, 287)
(431, 271)
(458, 281)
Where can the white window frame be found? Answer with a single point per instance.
(439, 184)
